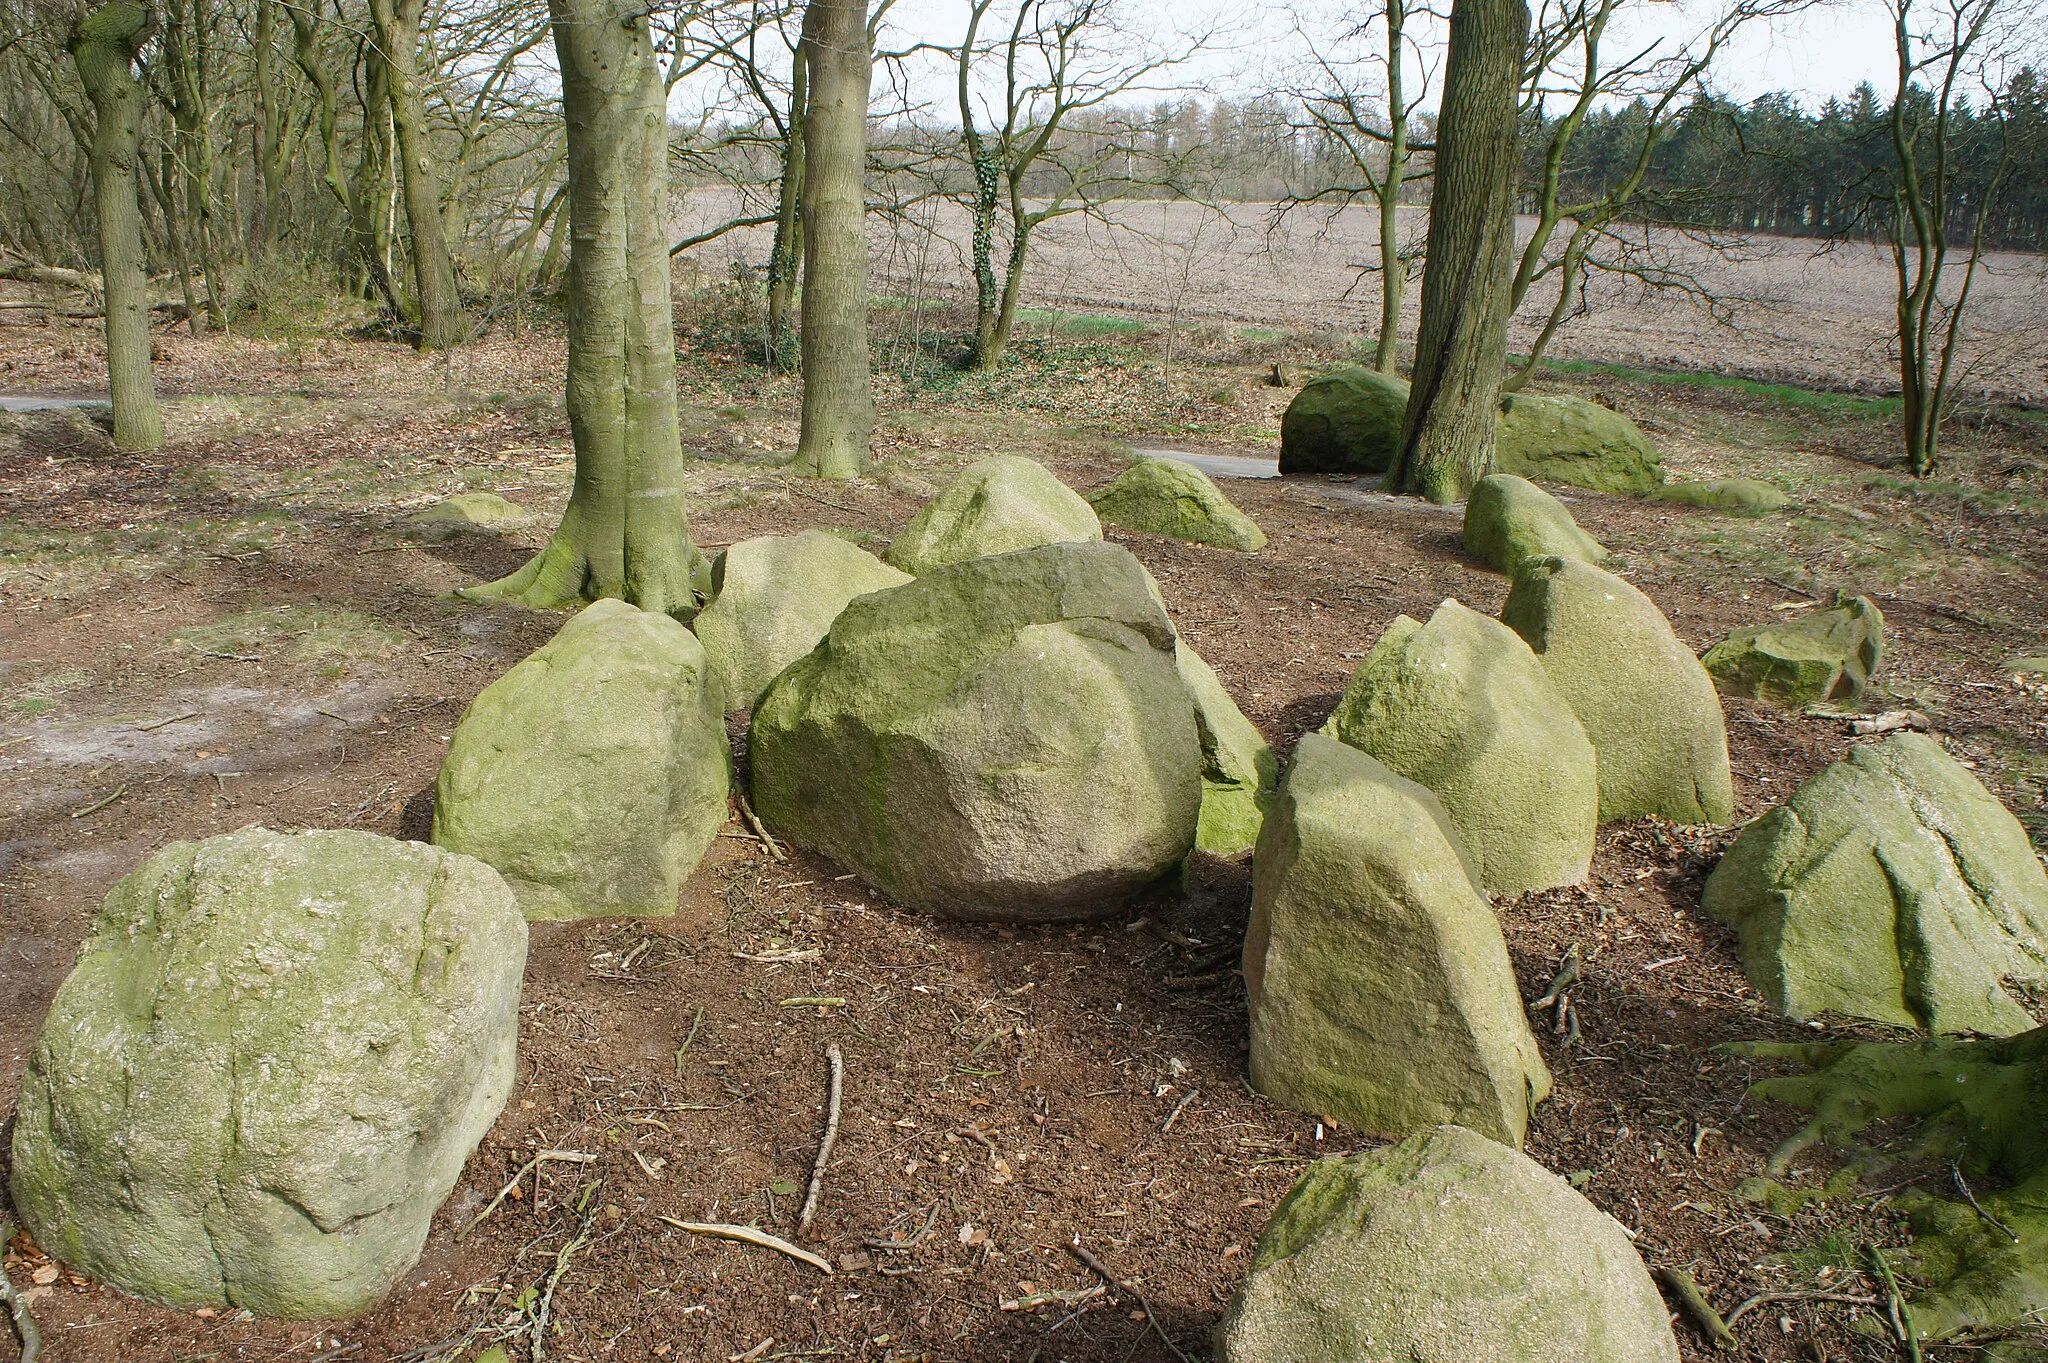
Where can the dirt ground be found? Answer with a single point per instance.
(236, 630)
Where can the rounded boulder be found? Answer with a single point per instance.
(1345, 421)
(993, 507)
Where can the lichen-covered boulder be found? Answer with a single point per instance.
(1645, 701)
(993, 507)
(1446, 1248)
(466, 511)
(1345, 421)
(1461, 707)
(773, 599)
(1891, 886)
(1571, 440)
(1167, 497)
(1743, 496)
(1005, 739)
(1825, 655)
(595, 773)
(1380, 988)
(267, 1067)
(1508, 519)
(1239, 771)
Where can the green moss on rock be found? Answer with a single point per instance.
(1345, 421)
(1743, 496)
(1508, 519)
(993, 507)
(1825, 655)
(1571, 440)
(1239, 771)
(1167, 497)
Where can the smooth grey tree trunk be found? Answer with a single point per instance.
(440, 307)
(839, 399)
(626, 533)
(1447, 435)
(785, 258)
(104, 44)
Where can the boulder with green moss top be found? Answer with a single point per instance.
(1005, 739)
(1744, 496)
(773, 598)
(1167, 497)
(595, 773)
(1891, 886)
(1462, 707)
(1508, 519)
(1825, 655)
(1658, 733)
(267, 1067)
(1983, 1104)
(466, 511)
(1571, 440)
(1345, 421)
(2026, 666)
(993, 507)
(1446, 1248)
(1239, 771)
(1379, 984)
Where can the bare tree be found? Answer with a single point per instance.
(397, 32)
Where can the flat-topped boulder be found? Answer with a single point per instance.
(1380, 988)
(993, 507)
(267, 1068)
(1345, 421)
(1894, 887)
(1508, 519)
(464, 512)
(1461, 707)
(1007, 738)
(1742, 496)
(1446, 1248)
(595, 773)
(1646, 703)
(773, 599)
(1571, 440)
(1823, 655)
(1167, 497)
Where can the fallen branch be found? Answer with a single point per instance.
(1901, 1314)
(1178, 1108)
(559, 1156)
(838, 1082)
(166, 723)
(754, 822)
(546, 1308)
(1766, 1298)
(1568, 974)
(1963, 1187)
(24, 1323)
(747, 1235)
(1101, 1270)
(97, 805)
(1680, 1284)
(684, 1049)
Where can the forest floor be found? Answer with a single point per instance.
(236, 630)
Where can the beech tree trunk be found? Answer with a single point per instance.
(104, 44)
(785, 259)
(839, 400)
(440, 308)
(1447, 436)
(626, 533)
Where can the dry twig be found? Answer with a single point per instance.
(838, 1082)
(1101, 1270)
(748, 1235)
(1680, 1284)
(754, 822)
(560, 1156)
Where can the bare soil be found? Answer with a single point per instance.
(1007, 1090)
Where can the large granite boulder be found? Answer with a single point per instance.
(1446, 1248)
(1742, 496)
(1239, 771)
(1345, 421)
(1571, 440)
(1380, 988)
(1167, 497)
(594, 774)
(773, 599)
(1508, 519)
(997, 505)
(1006, 738)
(1462, 707)
(267, 1067)
(1647, 704)
(1824, 655)
(1891, 886)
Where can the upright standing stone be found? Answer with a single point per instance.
(267, 1068)
(993, 507)
(1508, 519)
(595, 773)
(1462, 707)
(1239, 770)
(1381, 992)
(1647, 704)
(1167, 497)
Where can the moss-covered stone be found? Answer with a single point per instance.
(1379, 984)
(1825, 655)
(2026, 666)
(1239, 771)
(1007, 738)
(1446, 1248)
(267, 1067)
(1892, 886)
(1508, 519)
(993, 507)
(463, 512)
(1743, 496)
(1645, 701)
(1571, 440)
(1167, 497)
(595, 773)
(1463, 708)
(1345, 421)
(773, 598)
